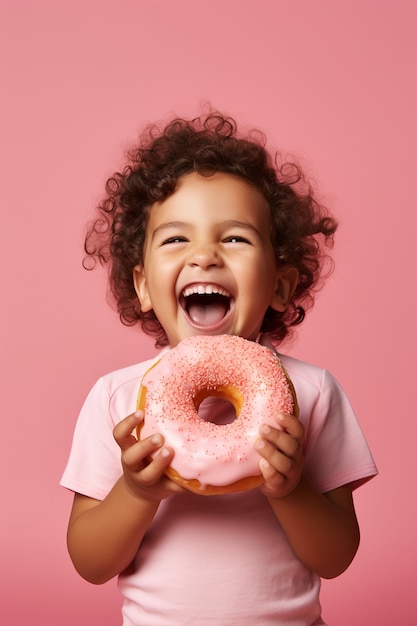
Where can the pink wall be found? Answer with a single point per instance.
(333, 83)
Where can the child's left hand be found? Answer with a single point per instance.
(282, 460)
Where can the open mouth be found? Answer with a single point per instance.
(206, 305)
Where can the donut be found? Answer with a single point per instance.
(214, 458)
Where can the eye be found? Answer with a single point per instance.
(176, 239)
(237, 239)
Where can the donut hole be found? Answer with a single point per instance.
(217, 411)
(219, 406)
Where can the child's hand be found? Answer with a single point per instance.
(282, 460)
(144, 476)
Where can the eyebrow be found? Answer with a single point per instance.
(168, 226)
(226, 224)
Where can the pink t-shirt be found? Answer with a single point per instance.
(220, 559)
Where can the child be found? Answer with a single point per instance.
(205, 235)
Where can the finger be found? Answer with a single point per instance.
(156, 468)
(280, 440)
(291, 425)
(136, 456)
(274, 458)
(277, 481)
(124, 429)
(271, 476)
(275, 486)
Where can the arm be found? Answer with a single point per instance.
(321, 528)
(104, 536)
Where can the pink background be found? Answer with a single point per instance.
(333, 83)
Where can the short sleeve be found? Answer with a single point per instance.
(336, 451)
(94, 463)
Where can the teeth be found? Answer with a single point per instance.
(202, 290)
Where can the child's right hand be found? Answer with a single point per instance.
(143, 475)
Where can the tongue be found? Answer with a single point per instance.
(207, 314)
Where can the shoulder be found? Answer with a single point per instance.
(117, 380)
(318, 391)
(301, 369)
(308, 378)
(115, 393)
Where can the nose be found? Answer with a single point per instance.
(205, 255)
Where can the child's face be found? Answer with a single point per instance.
(209, 265)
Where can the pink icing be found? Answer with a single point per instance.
(214, 454)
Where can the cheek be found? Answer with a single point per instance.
(262, 274)
(266, 287)
(161, 283)
(258, 288)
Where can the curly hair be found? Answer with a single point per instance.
(300, 225)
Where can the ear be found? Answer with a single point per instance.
(286, 282)
(141, 288)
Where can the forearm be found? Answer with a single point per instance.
(103, 537)
(322, 529)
